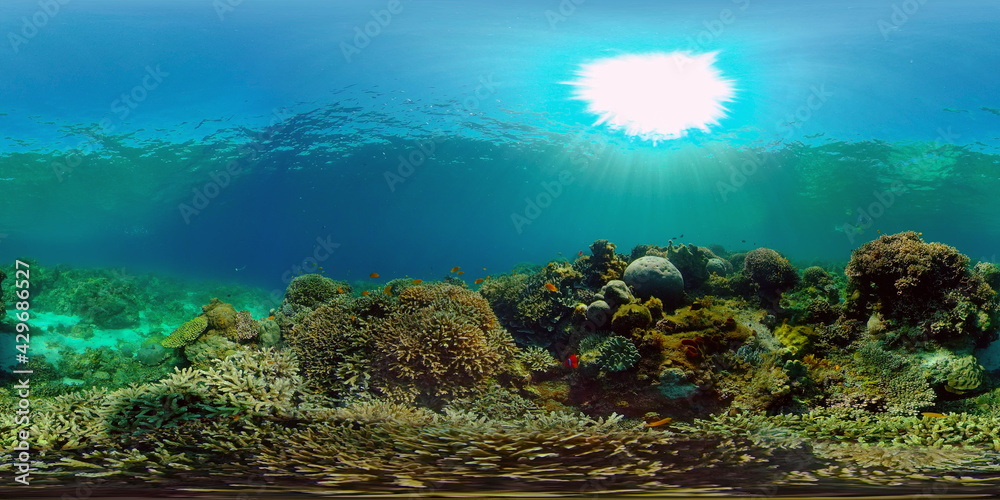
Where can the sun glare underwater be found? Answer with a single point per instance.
(371, 248)
(655, 96)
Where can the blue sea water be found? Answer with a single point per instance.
(249, 141)
(835, 102)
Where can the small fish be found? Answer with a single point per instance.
(340, 289)
(373, 275)
(352, 318)
(581, 252)
(364, 293)
(743, 241)
(460, 273)
(417, 281)
(454, 269)
(485, 268)
(932, 414)
(487, 277)
(551, 287)
(321, 267)
(920, 234)
(682, 236)
(478, 281)
(270, 317)
(660, 422)
(388, 290)
(572, 361)
(878, 231)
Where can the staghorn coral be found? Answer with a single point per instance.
(919, 284)
(442, 339)
(895, 384)
(187, 333)
(335, 345)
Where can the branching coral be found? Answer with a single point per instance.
(442, 339)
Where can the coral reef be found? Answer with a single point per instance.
(767, 274)
(533, 314)
(443, 340)
(617, 354)
(653, 276)
(187, 333)
(927, 285)
(602, 266)
(629, 317)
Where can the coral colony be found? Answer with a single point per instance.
(612, 371)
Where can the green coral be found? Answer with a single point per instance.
(187, 333)
(797, 338)
(536, 359)
(629, 317)
(617, 354)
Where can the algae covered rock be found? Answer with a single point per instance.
(653, 276)
(598, 312)
(629, 317)
(718, 266)
(616, 293)
(152, 354)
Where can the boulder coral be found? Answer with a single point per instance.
(768, 274)
(653, 276)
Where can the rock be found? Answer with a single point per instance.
(152, 354)
(599, 312)
(655, 277)
(616, 293)
(717, 266)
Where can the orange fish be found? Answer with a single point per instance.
(417, 282)
(480, 280)
(388, 290)
(456, 268)
(270, 317)
(364, 292)
(660, 422)
(487, 277)
(460, 273)
(352, 318)
(321, 267)
(485, 268)
(551, 287)
(340, 289)
(373, 275)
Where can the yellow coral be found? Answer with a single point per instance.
(186, 333)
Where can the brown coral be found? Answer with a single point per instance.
(442, 339)
(917, 283)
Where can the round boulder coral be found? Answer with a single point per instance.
(652, 276)
(769, 271)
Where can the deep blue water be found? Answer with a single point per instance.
(910, 95)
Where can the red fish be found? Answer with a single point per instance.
(551, 287)
(581, 252)
(572, 361)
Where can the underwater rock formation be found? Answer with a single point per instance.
(652, 276)
(534, 314)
